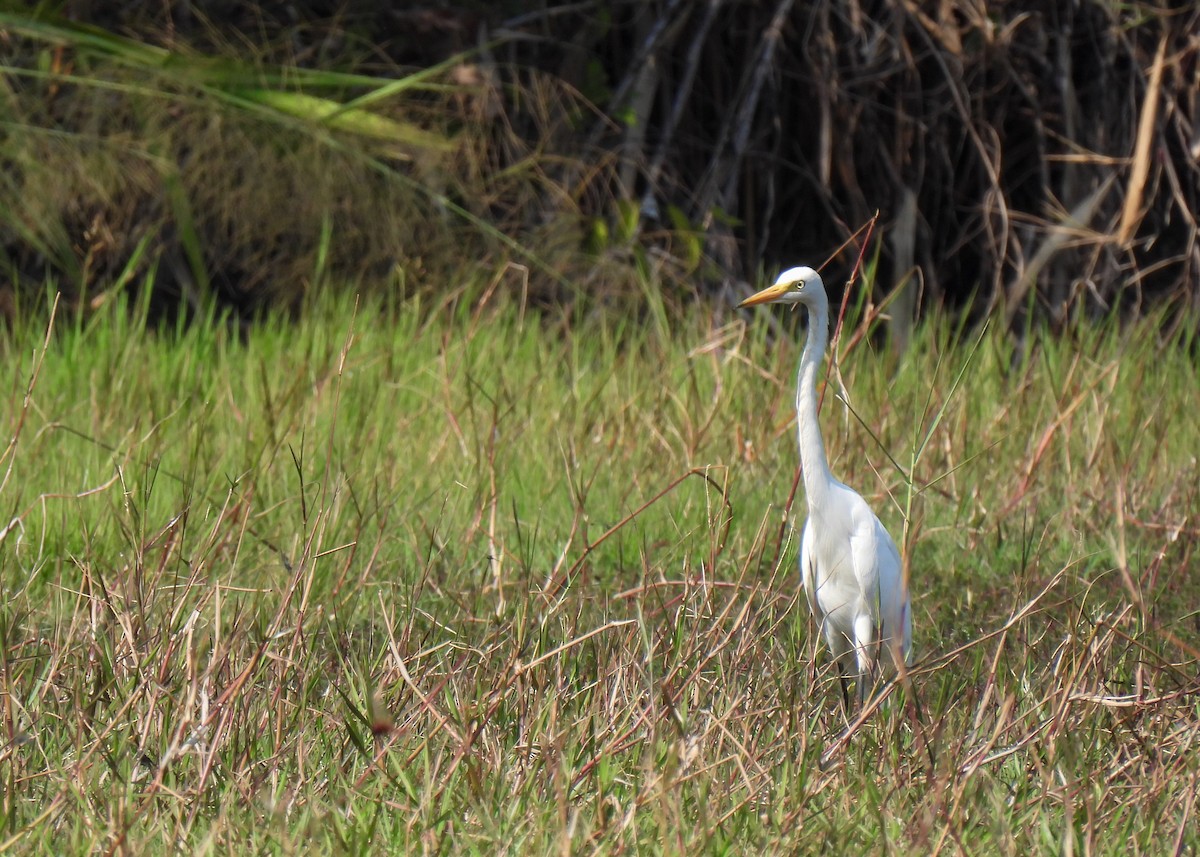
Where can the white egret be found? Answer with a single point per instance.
(849, 564)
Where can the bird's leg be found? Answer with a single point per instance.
(844, 680)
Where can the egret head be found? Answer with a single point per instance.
(795, 286)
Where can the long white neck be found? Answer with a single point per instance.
(817, 478)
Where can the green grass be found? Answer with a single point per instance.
(385, 580)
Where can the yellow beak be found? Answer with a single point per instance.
(767, 295)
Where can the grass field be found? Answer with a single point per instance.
(465, 579)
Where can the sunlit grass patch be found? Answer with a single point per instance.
(389, 579)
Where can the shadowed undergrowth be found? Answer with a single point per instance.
(388, 580)
(1039, 160)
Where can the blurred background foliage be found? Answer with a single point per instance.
(1022, 156)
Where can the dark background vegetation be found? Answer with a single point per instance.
(1019, 154)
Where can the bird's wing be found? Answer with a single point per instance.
(892, 586)
(865, 553)
(877, 565)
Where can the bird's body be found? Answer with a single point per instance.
(849, 565)
(855, 587)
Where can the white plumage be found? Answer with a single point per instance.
(849, 565)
